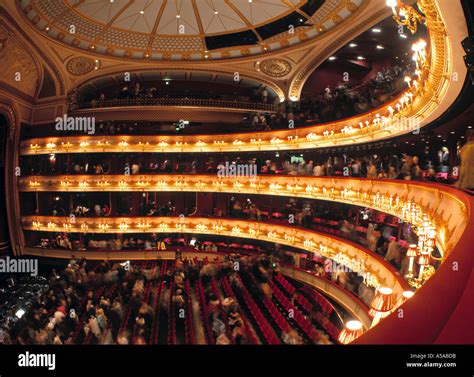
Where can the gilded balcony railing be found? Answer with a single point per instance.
(176, 101)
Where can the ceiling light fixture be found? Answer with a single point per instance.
(332, 58)
(380, 47)
(376, 30)
(352, 45)
(404, 36)
(360, 58)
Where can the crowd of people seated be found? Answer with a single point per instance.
(374, 165)
(337, 103)
(342, 101)
(140, 92)
(405, 167)
(115, 303)
(123, 209)
(380, 234)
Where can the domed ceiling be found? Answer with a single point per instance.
(185, 29)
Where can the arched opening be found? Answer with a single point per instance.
(139, 86)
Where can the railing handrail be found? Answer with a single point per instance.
(376, 258)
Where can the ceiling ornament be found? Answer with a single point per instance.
(80, 65)
(275, 67)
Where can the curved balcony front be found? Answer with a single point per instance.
(445, 208)
(415, 108)
(172, 110)
(128, 103)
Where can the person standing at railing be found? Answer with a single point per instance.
(264, 95)
(466, 171)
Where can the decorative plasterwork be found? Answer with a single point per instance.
(307, 69)
(80, 65)
(19, 70)
(448, 213)
(408, 113)
(275, 67)
(119, 29)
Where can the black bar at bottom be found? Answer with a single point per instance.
(243, 361)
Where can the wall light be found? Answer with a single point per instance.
(351, 331)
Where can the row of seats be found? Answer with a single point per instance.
(83, 319)
(188, 323)
(279, 319)
(97, 295)
(259, 318)
(285, 284)
(304, 303)
(327, 325)
(171, 318)
(204, 312)
(273, 311)
(298, 317)
(222, 311)
(148, 288)
(128, 312)
(155, 305)
(228, 291)
(326, 307)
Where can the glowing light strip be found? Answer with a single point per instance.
(383, 123)
(411, 202)
(355, 257)
(400, 116)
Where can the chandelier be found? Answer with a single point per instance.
(406, 15)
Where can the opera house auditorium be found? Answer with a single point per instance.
(236, 172)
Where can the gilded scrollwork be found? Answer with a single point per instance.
(18, 68)
(134, 42)
(80, 65)
(275, 67)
